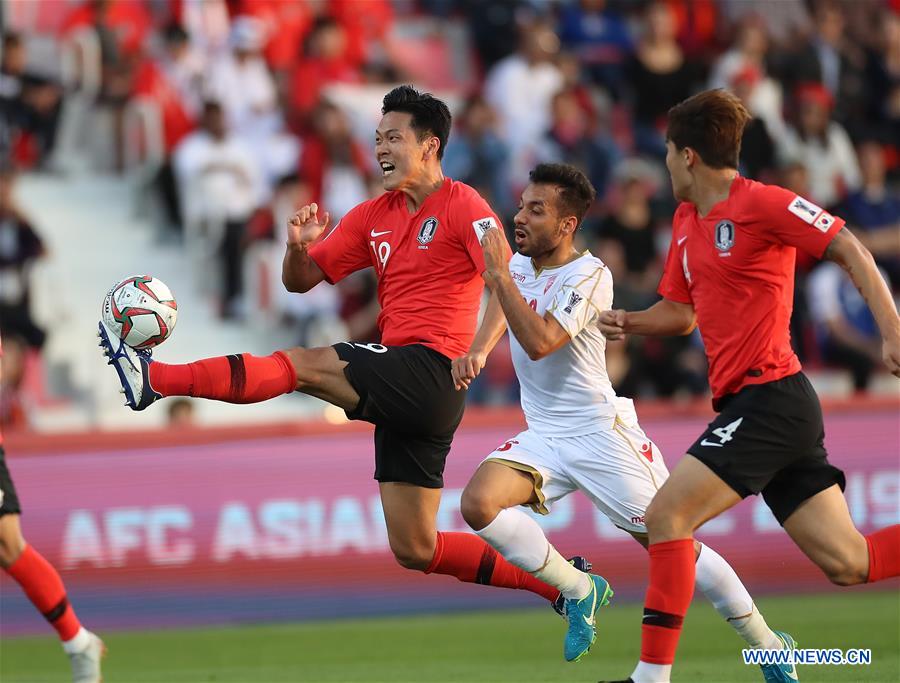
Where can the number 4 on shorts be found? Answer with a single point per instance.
(724, 434)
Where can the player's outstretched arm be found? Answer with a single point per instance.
(665, 318)
(466, 368)
(299, 273)
(849, 253)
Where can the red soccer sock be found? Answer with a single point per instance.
(44, 587)
(669, 595)
(471, 559)
(235, 379)
(884, 553)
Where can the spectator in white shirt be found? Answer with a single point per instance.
(220, 186)
(242, 83)
(822, 146)
(520, 88)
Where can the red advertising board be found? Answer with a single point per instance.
(290, 527)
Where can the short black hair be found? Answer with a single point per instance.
(430, 116)
(712, 124)
(576, 194)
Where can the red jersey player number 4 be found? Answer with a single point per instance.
(737, 263)
(427, 262)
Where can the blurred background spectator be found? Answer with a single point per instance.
(822, 145)
(236, 112)
(20, 247)
(220, 187)
(845, 329)
(29, 104)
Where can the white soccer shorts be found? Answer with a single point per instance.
(619, 469)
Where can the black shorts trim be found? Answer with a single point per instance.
(407, 392)
(9, 499)
(770, 439)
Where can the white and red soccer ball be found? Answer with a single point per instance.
(141, 311)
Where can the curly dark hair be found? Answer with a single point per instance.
(576, 194)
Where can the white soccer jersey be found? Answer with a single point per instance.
(567, 392)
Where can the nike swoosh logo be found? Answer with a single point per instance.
(379, 234)
(710, 443)
(681, 239)
(589, 622)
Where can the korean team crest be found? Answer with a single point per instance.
(724, 235)
(427, 231)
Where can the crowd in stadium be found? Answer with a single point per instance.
(263, 106)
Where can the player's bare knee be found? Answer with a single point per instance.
(305, 362)
(846, 571)
(417, 558)
(477, 507)
(11, 546)
(658, 520)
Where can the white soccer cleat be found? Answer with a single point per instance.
(86, 664)
(131, 367)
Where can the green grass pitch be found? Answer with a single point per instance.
(521, 646)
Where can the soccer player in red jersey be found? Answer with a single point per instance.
(730, 272)
(423, 238)
(42, 584)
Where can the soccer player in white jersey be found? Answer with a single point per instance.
(580, 435)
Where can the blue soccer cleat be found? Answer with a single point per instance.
(781, 673)
(131, 367)
(581, 564)
(581, 616)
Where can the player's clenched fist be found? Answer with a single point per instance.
(612, 324)
(304, 226)
(466, 368)
(495, 248)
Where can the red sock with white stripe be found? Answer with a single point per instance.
(884, 553)
(234, 379)
(43, 586)
(470, 559)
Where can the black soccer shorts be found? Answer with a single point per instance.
(769, 438)
(408, 394)
(9, 499)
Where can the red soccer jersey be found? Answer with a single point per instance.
(429, 263)
(736, 266)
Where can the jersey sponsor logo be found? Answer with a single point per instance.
(549, 283)
(482, 225)
(637, 520)
(804, 209)
(647, 451)
(518, 277)
(428, 230)
(824, 222)
(724, 236)
(574, 299)
(379, 234)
